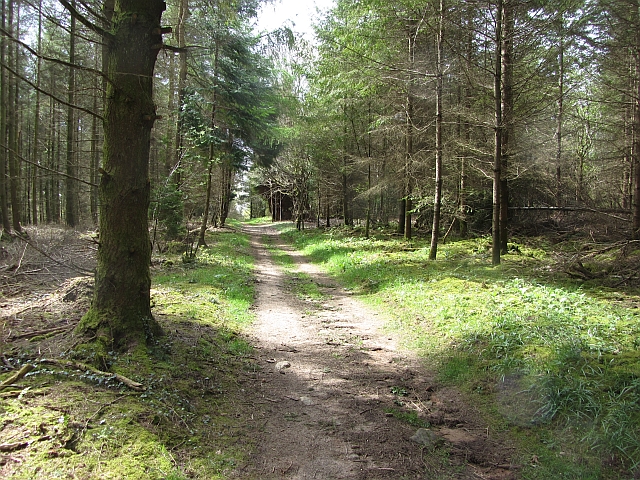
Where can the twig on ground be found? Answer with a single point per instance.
(26, 368)
(20, 261)
(133, 385)
(70, 265)
(46, 331)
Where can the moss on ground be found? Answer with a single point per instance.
(67, 423)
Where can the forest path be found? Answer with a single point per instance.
(331, 385)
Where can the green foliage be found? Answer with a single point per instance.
(168, 210)
(217, 286)
(410, 418)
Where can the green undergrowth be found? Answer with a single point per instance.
(554, 362)
(299, 283)
(188, 423)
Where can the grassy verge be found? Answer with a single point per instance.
(65, 423)
(555, 362)
(299, 283)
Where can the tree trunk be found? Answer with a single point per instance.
(560, 111)
(214, 100)
(71, 186)
(4, 153)
(367, 226)
(182, 84)
(203, 227)
(36, 126)
(408, 154)
(402, 216)
(120, 314)
(327, 213)
(12, 127)
(507, 118)
(95, 162)
(635, 227)
(437, 200)
(497, 157)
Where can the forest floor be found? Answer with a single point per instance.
(317, 389)
(335, 386)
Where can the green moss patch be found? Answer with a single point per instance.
(63, 422)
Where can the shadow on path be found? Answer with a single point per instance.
(335, 399)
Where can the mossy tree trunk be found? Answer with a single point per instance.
(120, 313)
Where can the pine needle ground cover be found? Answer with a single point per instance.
(67, 423)
(553, 360)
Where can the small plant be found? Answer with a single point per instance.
(410, 418)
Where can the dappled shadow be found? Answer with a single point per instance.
(340, 401)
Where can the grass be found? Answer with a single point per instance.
(299, 283)
(186, 424)
(564, 353)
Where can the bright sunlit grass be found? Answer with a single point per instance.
(217, 289)
(574, 352)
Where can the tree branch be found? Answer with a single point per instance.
(77, 269)
(81, 18)
(26, 368)
(51, 59)
(88, 368)
(44, 92)
(62, 174)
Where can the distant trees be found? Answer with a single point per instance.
(79, 76)
(525, 107)
(438, 115)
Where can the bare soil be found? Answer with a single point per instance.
(334, 387)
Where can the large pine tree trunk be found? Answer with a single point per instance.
(560, 111)
(12, 127)
(120, 313)
(408, 154)
(507, 117)
(182, 84)
(635, 174)
(36, 127)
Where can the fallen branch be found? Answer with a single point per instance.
(26, 368)
(12, 447)
(46, 331)
(69, 265)
(133, 385)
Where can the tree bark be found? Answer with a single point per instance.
(182, 84)
(12, 129)
(507, 117)
(560, 110)
(203, 227)
(635, 227)
(71, 197)
(36, 125)
(210, 160)
(120, 313)
(437, 200)
(408, 155)
(497, 156)
(4, 153)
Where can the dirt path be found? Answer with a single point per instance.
(332, 390)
